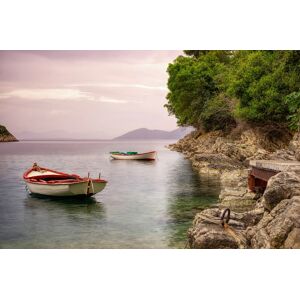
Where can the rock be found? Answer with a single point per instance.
(274, 223)
(207, 232)
(280, 225)
(234, 191)
(6, 136)
(207, 163)
(271, 221)
(284, 185)
(278, 229)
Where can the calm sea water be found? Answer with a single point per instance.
(144, 205)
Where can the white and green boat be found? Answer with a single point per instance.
(133, 155)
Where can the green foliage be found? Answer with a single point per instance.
(3, 130)
(203, 84)
(293, 103)
(192, 83)
(261, 80)
(217, 114)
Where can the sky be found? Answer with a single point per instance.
(84, 94)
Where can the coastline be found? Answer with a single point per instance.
(255, 221)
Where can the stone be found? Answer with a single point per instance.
(284, 185)
(280, 228)
(234, 191)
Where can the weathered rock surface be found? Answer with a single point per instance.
(278, 229)
(228, 156)
(6, 136)
(270, 221)
(284, 185)
(274, 223)
(234, 191)
(208, 233)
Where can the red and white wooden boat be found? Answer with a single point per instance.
(48, 182)
(134, 155)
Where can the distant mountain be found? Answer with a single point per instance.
(148, 134)
(5, 135)
(61, 135)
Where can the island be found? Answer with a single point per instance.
(6, 136)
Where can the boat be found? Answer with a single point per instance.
(49, 182)
(133, 155)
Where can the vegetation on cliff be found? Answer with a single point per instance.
(5, 135)
(216, 89)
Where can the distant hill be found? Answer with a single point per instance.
(5, 135)
(61, 135)
(148, 134)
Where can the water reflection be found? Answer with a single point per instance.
(190, 194)
(71, 205)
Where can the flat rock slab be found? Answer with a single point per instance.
(276, 165)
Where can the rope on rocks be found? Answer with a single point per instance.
(225, 217)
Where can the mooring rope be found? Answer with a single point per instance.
(229, 229)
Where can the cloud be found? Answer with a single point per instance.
(110, 100)
(120, 85)
(57, 94)
(51, 94)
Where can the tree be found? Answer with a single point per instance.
(293, 103)
(192, 84)
(261, 80)
(212, 89)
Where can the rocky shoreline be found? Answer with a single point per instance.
(6, 136)
(268, 220)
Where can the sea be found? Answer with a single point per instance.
(145, 205)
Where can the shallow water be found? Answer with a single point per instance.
(145, 204)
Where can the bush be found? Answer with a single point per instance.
(217, 114)
(293, 103)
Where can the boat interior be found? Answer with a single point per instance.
(55, 178)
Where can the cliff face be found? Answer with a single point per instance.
(6, 136)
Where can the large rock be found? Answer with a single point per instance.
(234, 191)
(207, 232)
(280, 226)
(284, 185)
(210, 163)
(274, 223)
(278, 229)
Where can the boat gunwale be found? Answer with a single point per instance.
(125, 154)
(77, 177)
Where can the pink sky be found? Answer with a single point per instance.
(84, 94)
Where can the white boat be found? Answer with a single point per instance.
(48, 182)
(134, 155)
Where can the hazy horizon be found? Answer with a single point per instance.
(84, 94)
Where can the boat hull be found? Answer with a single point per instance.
(43, 181)
(141, 156)
(63, 190)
